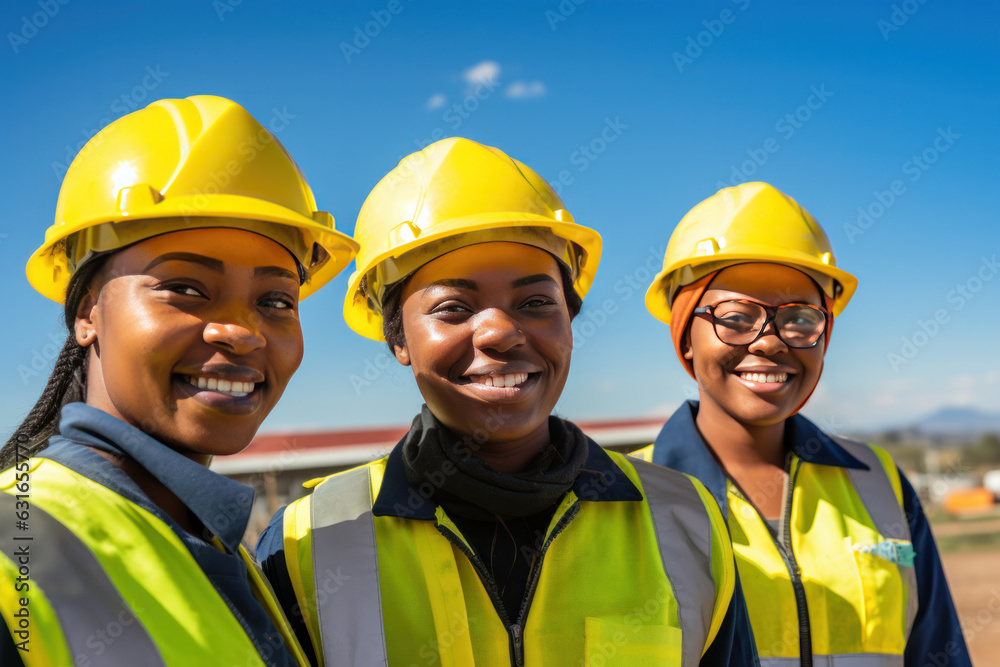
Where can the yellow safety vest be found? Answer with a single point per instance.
(840, 577)
(91, 578)
(640, 582)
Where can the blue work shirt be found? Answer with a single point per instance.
(221, 505)
(732, 646)
(936, 631)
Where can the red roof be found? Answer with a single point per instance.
(304, 440)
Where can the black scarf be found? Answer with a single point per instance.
(465, 485)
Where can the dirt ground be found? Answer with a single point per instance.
(974, 578)
(966, 528)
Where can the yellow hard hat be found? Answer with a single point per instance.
(199, 162)
(452, 194)
(752, 222)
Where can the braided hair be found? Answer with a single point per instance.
(66, 384)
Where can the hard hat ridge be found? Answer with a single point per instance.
(177, 164)
(751, 222)
(454, 193)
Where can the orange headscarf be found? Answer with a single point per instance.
(686, 300)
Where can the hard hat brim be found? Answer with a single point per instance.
(369, 324)
(48, 272)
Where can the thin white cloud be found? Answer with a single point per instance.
(436, 101)
(484, 72)
(526, 90)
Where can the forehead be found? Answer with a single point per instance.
(488, 262)
(764, 282)
(229, 246)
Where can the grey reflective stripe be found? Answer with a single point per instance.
(684, 535)
(876, 492)
(79, 590)
(343, 546)
(844, 660)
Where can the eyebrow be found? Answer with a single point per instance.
(531, 280)
(217, 265)
(207, 262)
(463, 283)
(277, 271)
(460, 283)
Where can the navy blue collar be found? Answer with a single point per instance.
(221, 504)
(600, 480)
(681, 447)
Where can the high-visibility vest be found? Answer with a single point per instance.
(839, 583)
(641, 582)
(88, 577)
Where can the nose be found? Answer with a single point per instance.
(768, 342)
(496, 330)
(238, 331)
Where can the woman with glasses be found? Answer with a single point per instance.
(835, 556)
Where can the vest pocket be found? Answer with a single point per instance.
(624, 641)
(884, 605)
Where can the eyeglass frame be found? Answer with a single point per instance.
(771, 312)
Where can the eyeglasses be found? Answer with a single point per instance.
(740, 322)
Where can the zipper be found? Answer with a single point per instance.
(783, 544)
(795, 574)
(517, 644)
(515, 631)
(536, 571)
(491, 586)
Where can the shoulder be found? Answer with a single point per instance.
(54, 486)
(270, 543)
(675, 491)
(295, 517)
(877, 459)
(643, 453)
(660, 476)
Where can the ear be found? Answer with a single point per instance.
(402, 354)
(686, 348)
(85, 327)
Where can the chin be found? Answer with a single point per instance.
(762, 415)
(202, 443)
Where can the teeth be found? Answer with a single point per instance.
(765, 377)
(222, 386)
(508, 380)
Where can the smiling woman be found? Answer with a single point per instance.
(196, 349)
(836, 558)
(494, 532)
(182, 309)
(488, 329)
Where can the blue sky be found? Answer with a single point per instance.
(640, 109)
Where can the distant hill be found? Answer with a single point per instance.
(956, 422)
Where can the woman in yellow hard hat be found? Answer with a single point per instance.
(495, 533)
(180, 261)
(835, 556)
